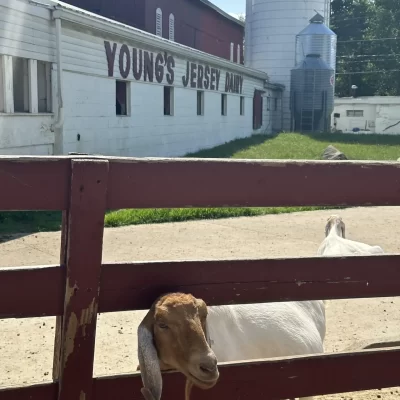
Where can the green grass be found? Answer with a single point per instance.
(309, 147)
(29, 221)
(154, 216)
(282, 146)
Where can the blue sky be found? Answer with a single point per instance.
(231, 6)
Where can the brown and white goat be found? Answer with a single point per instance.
(172, 336)
(179, 331)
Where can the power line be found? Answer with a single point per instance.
(370, 55)
(368, 40)
(388, 59)
(364, 15)
(368, 72)
(358, 12)
(367, 61)
(336, 20)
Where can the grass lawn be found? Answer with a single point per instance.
(308, 147)
(282, 146)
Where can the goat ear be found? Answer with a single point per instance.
(201, 303)
(327, 226)
(148, 359)
(207, 333)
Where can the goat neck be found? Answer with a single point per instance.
(335, 227)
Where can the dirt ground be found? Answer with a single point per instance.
(26, 346)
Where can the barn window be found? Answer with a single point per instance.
(355, 113)
(200, 102)
(224, 103)
(268, 103)
(159, 22)
(44, 86)
(171, 27)
(168, 100)
(121, 97)
(231, 52)
(21, 84)
(241, 105)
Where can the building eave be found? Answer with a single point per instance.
(274, 86)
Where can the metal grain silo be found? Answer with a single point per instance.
(317, 38)
(270, 37)
(312, 95)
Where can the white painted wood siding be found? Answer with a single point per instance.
(85, 53)
(26, 31)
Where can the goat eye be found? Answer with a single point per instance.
(162, 326)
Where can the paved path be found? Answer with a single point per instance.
(26, 346)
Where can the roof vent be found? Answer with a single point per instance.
(317, 19)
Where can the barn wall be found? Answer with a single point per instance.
(91, 123)
(146, 132)
(197, 26)
(26, 135)
(25, 31)
(375, 114)
(130, 12)
(90, 99)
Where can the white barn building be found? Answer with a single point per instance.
(369, 114)
(72, 81)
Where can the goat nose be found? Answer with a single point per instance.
(209, 365)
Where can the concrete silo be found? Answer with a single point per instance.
(270, 38)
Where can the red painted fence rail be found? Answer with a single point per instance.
(134, 286)
(80, 286)
(172, 183)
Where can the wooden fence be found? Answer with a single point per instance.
(80, 286)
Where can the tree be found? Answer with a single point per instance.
(383, 33)
(350, 20)
(368, 51)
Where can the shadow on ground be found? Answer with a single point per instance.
(355, 138)
(4, 238)
(227, 150)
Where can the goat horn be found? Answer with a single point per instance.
(148, 360)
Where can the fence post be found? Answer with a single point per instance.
(84, 244)
(63, 263)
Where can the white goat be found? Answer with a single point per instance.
(336, 244)
(181, 333)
